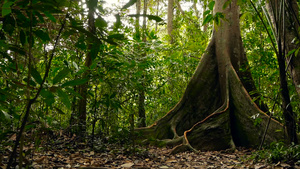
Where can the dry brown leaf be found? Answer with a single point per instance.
(127, 165)
(40, 160)
(171, 161)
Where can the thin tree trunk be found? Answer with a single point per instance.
(291, 34)
(82, 106)
(204, 26)
(281, 23)
(137, 21)
(170, 19)
(157, 8)
(179, 7)
(195, 9)
(141, 101)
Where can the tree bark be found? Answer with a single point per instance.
(82, 106)
(141, 101)
(284, 24)
(170, 19)
(137, 21)
(291, 27)
(216, 111)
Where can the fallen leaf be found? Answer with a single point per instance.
(40, 160)
(127, 165)
(171, 161)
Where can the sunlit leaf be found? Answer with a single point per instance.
(211, 5)
(129, 4)
(207, 19)
(291, 52)
(100, 22)
(6, 115)
(206, 12)
(150, 17)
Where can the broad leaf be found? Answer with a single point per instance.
(87, 33)
(291, 52)
(116, 36)
(129, 4)
(50, 16)
(207, 19)
(75, 82)
(100, 22)
(17, 49)
(6, 8)
(22, 37)
(36, 75)
(118, 22)
(61, 75)
(6, 115)
(64, 98)
(211, 5)
(48, 97)
(206, 12)
(150, 17)
(42, 35)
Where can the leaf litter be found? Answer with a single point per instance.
(68, 153)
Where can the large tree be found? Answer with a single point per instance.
(216, 111)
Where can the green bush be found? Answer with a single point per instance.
(279, 152)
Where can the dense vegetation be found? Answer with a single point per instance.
(71, 67)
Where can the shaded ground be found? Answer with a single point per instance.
(68, 153)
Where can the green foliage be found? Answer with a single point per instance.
(6, 7)
(150, 17)
(122, 65)
(120, 136)
(279, 152)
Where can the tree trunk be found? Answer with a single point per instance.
(157, 8)
(91, 4)
(137, 21)
(291, 27)
(141, 101)
(216, 111)
(284, 24)
(170, 19)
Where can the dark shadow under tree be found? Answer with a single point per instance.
(216, 111)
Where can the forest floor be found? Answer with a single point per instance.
(67, 153)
